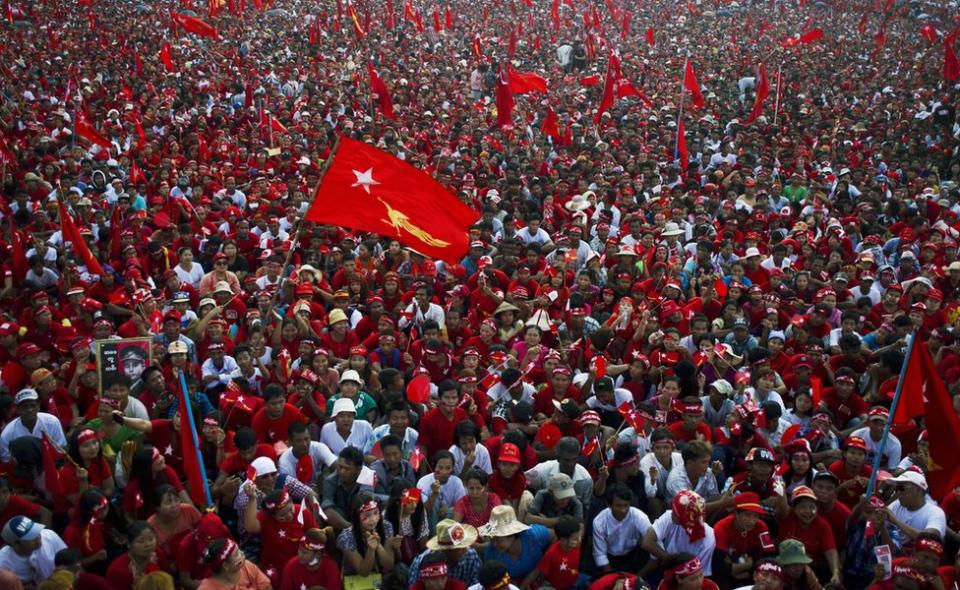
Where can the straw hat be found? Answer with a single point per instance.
(503, 523)
(452, 535)
(577, 203)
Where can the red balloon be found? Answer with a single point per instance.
(418, 390)
(549, 435)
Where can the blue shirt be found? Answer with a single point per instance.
(534, 540)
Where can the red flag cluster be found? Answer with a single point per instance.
(763, 91)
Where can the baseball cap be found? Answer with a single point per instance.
(910, 476)
(37, 377)
(21, 528)
(750, 502)
(177, 347)
(509, 453)
(264, 466)
(561, 486)
(802, 492)
(25, 395)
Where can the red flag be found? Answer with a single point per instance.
(51, 476)
(690, 83)
(437, 25)
(550, 128)
(305, 469)
(276, 125)
(194, 25)
(682, 153)
(811, 36)
(951, 67)
(625, 89)
(929, 33)
(649, 36)
(166, 57)
(606, 100)
(7, 11)
(522, 82)
(625, 28)
(505, 101)
(512, 43)
(816, 390)
(477, 47)
(600, 366)
(763, 91)
(357, 27)
(591, 80)
(136, 174)
(370, 190)
(448, 18)
(590, 448)
(416, 458)
(555, 15)
(378, 88)
(943, 426)
(84, 129)
(72, 234)
(862, 25)
(915, 382)
(196, 478)
(18, 255)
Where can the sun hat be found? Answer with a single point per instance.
(343, 405)
(792, 552)
(671, 229)
(503, 523)
(452, 535)
(336, 316)
(351, 375)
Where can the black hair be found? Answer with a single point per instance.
(567, 525)
(477, 474)
(160, 492)
(397, 487)
(492, 572)
(443, 454)
(359, 535)
(465, 428)
(391, 440)
(447, 385)
(141, 471)
(67, 557)
(245, 438)
(619, 491)
(137, 528)
(353, 455)
(271, 391)
(296, 428)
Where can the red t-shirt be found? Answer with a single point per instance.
(97, 473)
(120, 575)
(508, 489)
(560, 567)
(280, 541)
(271, 430)
(235, 464)
(296, 575)
(817, 538)
(837, 519)
(133, 498)
(682, 435)
(843, 410)
(436, 430)
(849, 496)
(734, 543)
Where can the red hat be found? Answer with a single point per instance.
(802, 492)
(750, 502)
(509, 453)
(855, 442)
(9, 328)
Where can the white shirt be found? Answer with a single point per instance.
(539, 476)
(45, 423)
(893, 451)
(191, 276)
(38, 566)
(135, 409)
(450, 492)
(418, 316)
(322, 456)
(928, 516)
(223, 374)
(660, 486)
(499, 393)
(358, 436)
(617, 537)
(674, 539)
(481, 459)
(678, 480)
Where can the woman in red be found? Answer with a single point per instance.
(142, 558)
(86, 469)
(311, 567)
(148, 469)
(89, 532)
(281, 526)
(683, 571)
(804, 524)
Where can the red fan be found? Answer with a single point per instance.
(549, 435)
(600, 365)
(418, 390)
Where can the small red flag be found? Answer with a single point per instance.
(523, 82)
(276, 125)
(649, 37)
(72, 234)
(550, 128)
(448, 18)
(370, 190)
(590, 448)
(591, 80)
(194, 25)
(251, 473)
(416, 458)
(625, 27)
(682, 153)
(305, 469)
(51, 475)
(196, 478)
(763, 91)
(84, 129)
(382, 97)
(911, 401)
(690, 83)
(600, 366)
(505, 102)
(166, 57)
(811, 36)
(18, 255)
(549, 435)
(929, 33)
(136, 174)
(357, 27)
(607, 99)
(437, 25)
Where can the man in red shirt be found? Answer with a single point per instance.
(805, 525)
(847, 407)
(691, 425)
(852, 471)
(436, 427)
(825, 486)
(275, 417)
(311, 567)
(742, 539)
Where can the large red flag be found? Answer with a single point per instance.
(505, 101)
(606, 101)
(929, 33)
(550, 127)
(690, 83)
(51, 476)
(522, 82)
(196, 478)
(370, 190)
(84, 129)
(943, 432)
(448, 18)
(18, 255)
(194, 25)
(811, 36)
(649, 37)
(912, 394)
(682, 153)
(72, 234)
(763, 91)
(951, 67)
(382, 93)
(357, 27)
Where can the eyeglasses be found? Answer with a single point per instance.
(220, 263)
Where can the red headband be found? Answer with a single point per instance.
(768, 567)
(368, 506)
(931, 545)
(436, 570)
(220, 558)
(276, 506)
(86, 435)
(210, 422)
(311, 545)
(685, 569)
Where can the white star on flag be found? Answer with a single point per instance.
(168, 450)
(365, 179)
(282, 534)
(303, 587)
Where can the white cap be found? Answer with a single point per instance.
(343, 405)
(351, 375)
(910, 476)
(751, 252)
(264, 466)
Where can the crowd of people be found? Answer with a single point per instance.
(654, 367)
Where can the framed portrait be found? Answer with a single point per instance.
(128, 357)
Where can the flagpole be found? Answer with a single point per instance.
(193, 435)
(893, 412)
(295, 236)
(776, 105)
